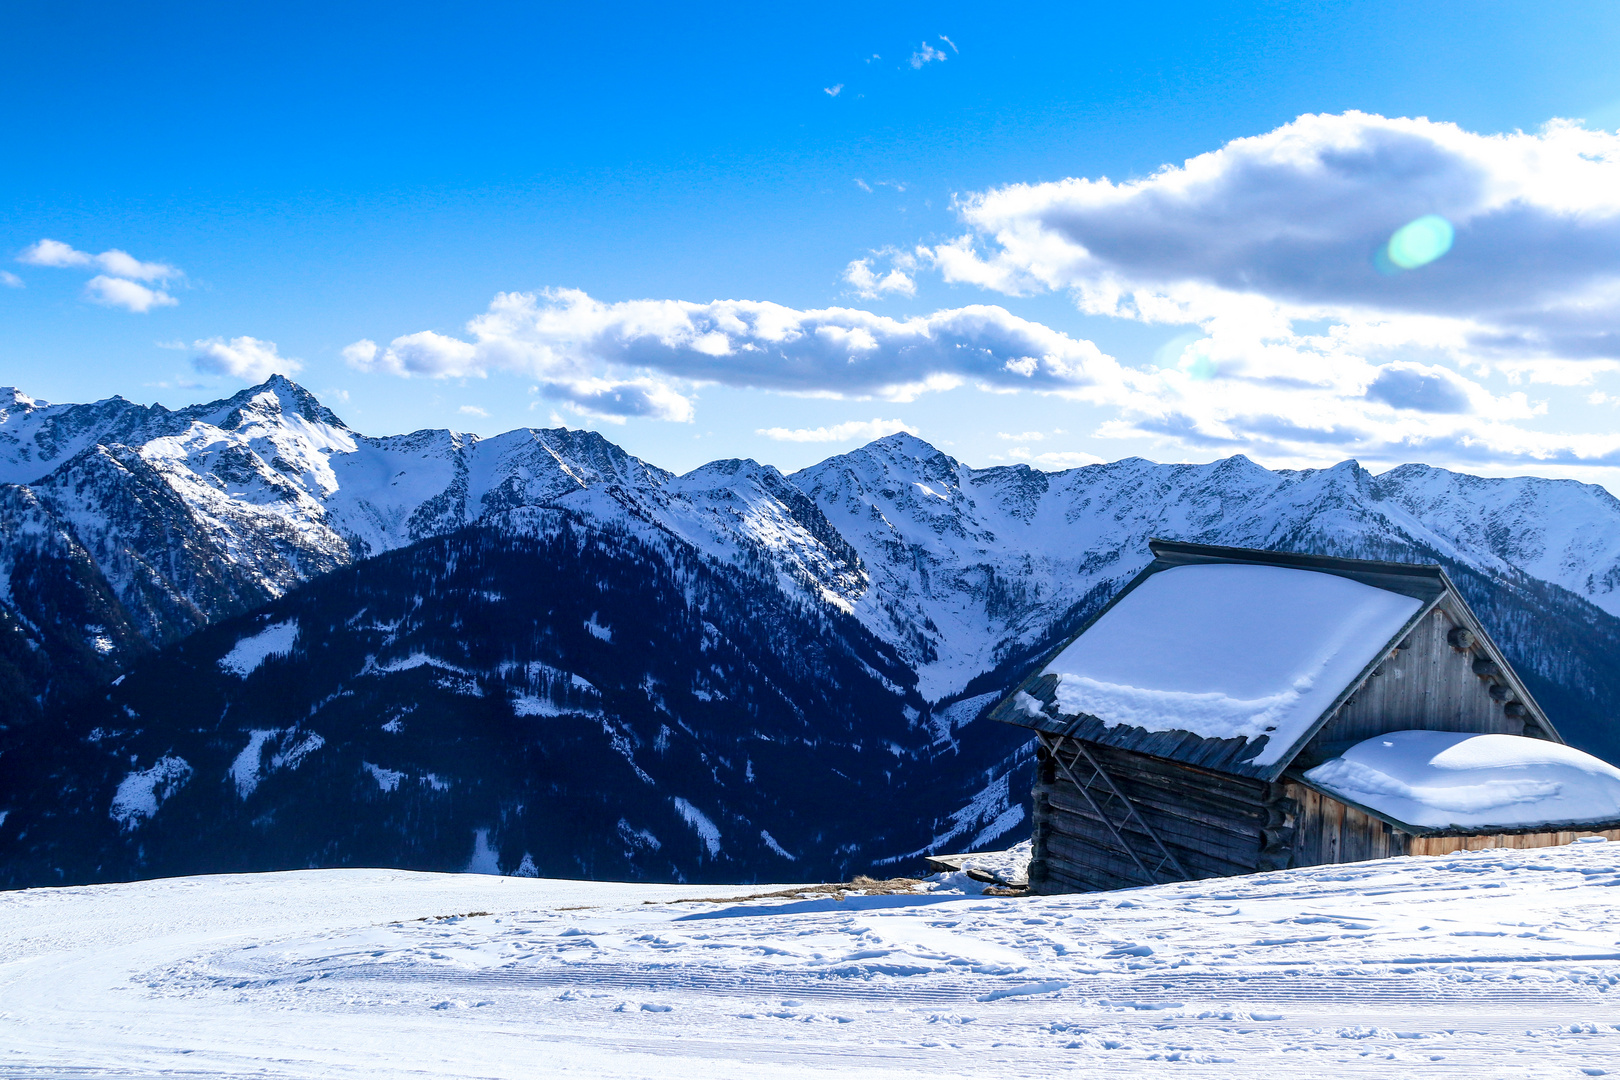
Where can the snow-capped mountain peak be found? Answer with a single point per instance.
(958, 568)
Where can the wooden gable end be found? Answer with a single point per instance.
(1446, 676)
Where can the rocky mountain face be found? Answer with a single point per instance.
(906, 587)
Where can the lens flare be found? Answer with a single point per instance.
(1417, 243)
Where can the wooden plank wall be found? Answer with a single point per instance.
(1445, 845)
(1429, 686)
(1215, 825)
(1327, 831)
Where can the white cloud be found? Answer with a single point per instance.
(1054, 459)
(10, 280)
(1294, 219)
(1312, 340)
(925, 54)
(1023, 436)
(244, 358)
(117, 287)
(637, 358)
(113, 261)
(951, 43)
(129, 295)
(865, 430)
(869, 283)
(473, 410)
(1550, 372)
(54, 253)
(834, 90)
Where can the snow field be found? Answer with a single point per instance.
(1498, 964)
(245, 657)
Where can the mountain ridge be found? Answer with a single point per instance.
(202, 522)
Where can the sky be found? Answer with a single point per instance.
(1055, 234)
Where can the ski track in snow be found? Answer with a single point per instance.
(1486, 964)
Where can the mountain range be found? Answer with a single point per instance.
(243, 636)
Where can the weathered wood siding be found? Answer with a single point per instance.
(1327, 831)
(1215, 825)
(1220, 826)
(1429, 686)
(1445, 845)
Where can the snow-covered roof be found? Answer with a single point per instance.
(1228, 651)
(1232, 659)
(1444, 780)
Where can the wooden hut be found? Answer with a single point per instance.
(1234, 710)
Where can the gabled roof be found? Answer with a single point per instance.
(1232, 659)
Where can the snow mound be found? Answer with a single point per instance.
(1228, 651)
(1441, 779)
(276, 639)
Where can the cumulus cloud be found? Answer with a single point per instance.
(1354, 280)
(117, 263)
(1297, 217)
(1412, 386)
(10, 280)
(864, 430)
(834, 90)
(870, 283)
(640, 357)
(129, 295)
(119, 286)
(473, 410)
(245, 358)
(926, 54)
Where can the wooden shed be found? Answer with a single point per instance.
(1235, 710)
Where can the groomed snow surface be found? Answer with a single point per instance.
(1485, 964)
(1439, 779)
(1228, 651)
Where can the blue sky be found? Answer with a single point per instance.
(374, 177)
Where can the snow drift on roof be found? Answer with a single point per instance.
(1449, 779)
(1228, 651)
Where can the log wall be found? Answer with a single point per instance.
(1215, 825)
(1218, 826)
(1429, 686)
(1327, 831)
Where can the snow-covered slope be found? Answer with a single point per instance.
(198, 513)
(128, 528)
(970, 565)
(1484, 964)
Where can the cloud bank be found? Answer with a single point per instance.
(1354, 280)
(1350, 285)
(643, 357)
(1297, 217)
